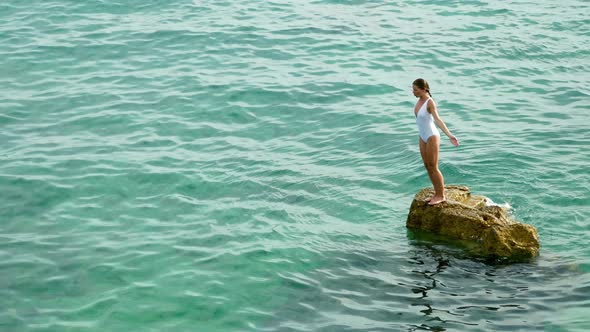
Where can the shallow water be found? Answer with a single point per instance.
(248, 166)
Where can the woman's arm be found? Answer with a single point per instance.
(431, 107)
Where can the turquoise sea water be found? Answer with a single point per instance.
(249, 165)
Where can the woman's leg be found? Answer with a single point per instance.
(431, 162)
(424, 160)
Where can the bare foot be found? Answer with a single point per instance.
(436, 200)
(428, 199)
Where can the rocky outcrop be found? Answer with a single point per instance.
(489, 229)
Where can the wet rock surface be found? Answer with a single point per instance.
(489, 229)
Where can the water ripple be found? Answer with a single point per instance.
(247, 166)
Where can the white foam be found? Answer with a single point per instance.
(506, 206)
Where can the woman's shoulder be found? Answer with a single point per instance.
(431, 104)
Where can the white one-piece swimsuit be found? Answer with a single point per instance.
(425, 122)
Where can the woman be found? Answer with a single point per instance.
(426, 115)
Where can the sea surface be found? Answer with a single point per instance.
(249, 165)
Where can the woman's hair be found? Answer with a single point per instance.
(422, 84)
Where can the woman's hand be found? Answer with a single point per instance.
(454, 140)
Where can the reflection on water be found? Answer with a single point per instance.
(463, 289)
(430, 287)
(432, 319)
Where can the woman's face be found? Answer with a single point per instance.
(417, 91)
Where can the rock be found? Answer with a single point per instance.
(489, 229)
